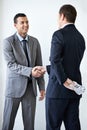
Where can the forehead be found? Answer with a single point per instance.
(20, 19)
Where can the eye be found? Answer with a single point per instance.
(22, 22)
(26, 22)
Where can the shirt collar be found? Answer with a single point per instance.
(21, 38)
(66, 25)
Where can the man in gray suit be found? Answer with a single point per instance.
(24, 70)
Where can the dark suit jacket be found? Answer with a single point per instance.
(67, 49)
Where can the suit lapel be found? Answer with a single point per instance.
(18, 46)
(30, 50)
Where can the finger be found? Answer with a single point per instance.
(41, 98)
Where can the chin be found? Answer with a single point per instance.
(25, 33)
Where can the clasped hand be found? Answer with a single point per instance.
(69, 84)
(38, 71)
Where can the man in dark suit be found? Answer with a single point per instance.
(67, 49)
(24, 69)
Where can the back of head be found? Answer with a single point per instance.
(69, 13)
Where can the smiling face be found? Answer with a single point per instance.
(22, 26)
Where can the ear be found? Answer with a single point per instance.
(14, 24)
(62, 16)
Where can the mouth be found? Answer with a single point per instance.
(25, 28)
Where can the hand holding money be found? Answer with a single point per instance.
(72, 85)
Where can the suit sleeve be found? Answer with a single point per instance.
(48, 69)
(57, 45)
(40, 81)
(10, 59)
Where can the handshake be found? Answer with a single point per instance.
(38, 71)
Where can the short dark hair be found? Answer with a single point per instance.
(69, 12)
(18, 15)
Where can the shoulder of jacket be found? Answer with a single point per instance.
(35, 40)
(58, 32)
(10, 38)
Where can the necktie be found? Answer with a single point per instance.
(25, 50)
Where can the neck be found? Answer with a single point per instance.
(65, 23)
(23, 35)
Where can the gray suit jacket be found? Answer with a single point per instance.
(18, 71)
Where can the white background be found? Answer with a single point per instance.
(43, 16)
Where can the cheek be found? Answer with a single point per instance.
(18, 27)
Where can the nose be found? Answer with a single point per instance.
(26, 24)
